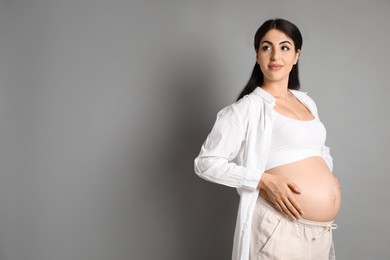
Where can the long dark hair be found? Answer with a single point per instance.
(291, 31)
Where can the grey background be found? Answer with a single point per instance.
(105, 104)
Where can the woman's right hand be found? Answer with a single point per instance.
(280, 193)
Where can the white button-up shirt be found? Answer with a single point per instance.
(235, 154)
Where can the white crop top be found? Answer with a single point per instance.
(293, 140)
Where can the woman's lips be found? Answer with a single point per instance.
(275, 66)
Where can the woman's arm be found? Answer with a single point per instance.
(221, 146)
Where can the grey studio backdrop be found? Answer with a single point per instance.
(105, 104)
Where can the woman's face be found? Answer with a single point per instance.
(276, 56)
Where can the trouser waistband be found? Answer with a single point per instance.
(267, 205)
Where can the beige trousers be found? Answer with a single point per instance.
(277, 237)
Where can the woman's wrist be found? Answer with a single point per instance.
(263, 180)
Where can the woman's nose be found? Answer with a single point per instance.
(274, 54)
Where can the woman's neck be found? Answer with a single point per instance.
(277, 90)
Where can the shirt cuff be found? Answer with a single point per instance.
(251, 180)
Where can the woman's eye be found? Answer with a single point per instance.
(266, 48)
(285, 48)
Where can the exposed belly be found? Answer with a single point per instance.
(320, 198)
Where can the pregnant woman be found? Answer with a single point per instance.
(270, 145)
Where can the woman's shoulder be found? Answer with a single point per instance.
(249, 101)
(240, 109)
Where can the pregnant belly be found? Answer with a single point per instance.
(320, 198)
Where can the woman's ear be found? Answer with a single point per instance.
(297, 56)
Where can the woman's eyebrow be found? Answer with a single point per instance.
(270, 43)
(285, 42)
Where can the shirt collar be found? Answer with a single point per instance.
(265, 95)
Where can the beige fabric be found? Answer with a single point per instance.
(276, 237)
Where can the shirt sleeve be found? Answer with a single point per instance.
(214, 162)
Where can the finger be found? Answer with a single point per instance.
(293, 213)
(295, 188)
(285, 210)
(296, 205)
(278, 207)
(292, 209)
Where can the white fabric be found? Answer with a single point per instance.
(235, 154)
(293, 140)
